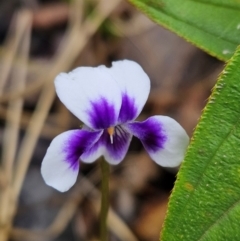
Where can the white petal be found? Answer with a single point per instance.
(163, 138)
(90, 94)
(135, 87)
(60, 165)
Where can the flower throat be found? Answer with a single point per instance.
(110, 131)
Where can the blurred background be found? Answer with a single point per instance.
(41, 38)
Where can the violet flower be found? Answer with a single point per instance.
(107, 101)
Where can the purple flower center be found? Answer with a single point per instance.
(102, 115)
(128, 109)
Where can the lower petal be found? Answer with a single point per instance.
(60, 165)
(113, 152)
(116, 151)
(163, 138)
(93, 153)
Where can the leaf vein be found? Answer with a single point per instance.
(223, 215)
(202, 174)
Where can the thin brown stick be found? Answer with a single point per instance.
(34, 65)
(10, 137)
(51, 128)
(17, 29)
(3, 179)
(29, 142)
(84, 188)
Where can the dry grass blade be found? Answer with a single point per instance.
(14, 110)
(21, 43)
(3, 181)
(87, 189)
(16, 32)
(29, 142)
(76, 40)
(50, 129)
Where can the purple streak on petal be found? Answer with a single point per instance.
(92, 153)
(103, 114)
(93, 148)
(150, 132)
(77, 144)
(117, 150)
(128, 109)
(121, 141)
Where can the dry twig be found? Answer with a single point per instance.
(74, 43)
(20, 43)
(83, 188)
(76, 38)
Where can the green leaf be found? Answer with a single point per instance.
(212, 25)
(205, 203)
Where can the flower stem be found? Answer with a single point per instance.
(105, 200)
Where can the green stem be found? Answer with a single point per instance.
(105, 200)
